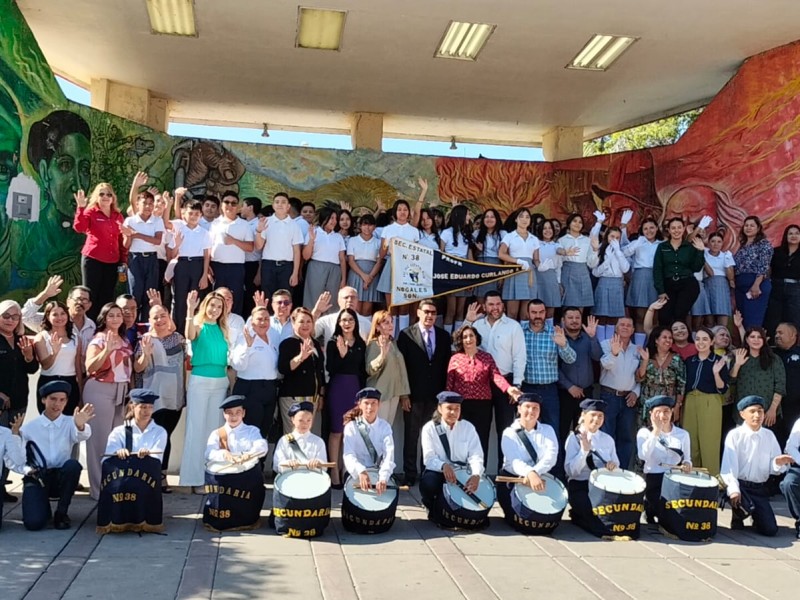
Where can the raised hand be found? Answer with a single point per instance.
(53, 287)
(616, 345)
(147, 344)
(323, 303)
(644, 353)
(140, 179)
(741, 356)
(343, 205)
(56, 342)
(306, 348)
(583, 438)
(698, 243)
(177, 240)
(738, 320)
(83, 415)
(17, 423)
(249, 339)
(180, 192)
(627, 215)
(154, 297)
(260, 299)
(262, 224)
(113, 341)
(80, 198)
(383, 344)
(312, 234)
(660, 303)
(558, 337)
(26, 346)
(473, 311)
(192, 300)
(591, 326)
(600, 216)
(341, 345)
(722, 363)
(423, 184)
(705, 222)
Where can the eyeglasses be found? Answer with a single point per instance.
(79, 300)
(104, 194)
(347, 320)
(231, 202)
(282, 302)
(428, 312)
(14, 317)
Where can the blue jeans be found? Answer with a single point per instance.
(753, 311)
(619, 424)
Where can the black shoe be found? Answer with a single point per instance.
(410, 480)
(337, 486)
(650, 518)
(9, 498)
(797, 534)
(80, 488)
(737, 524)
(61, 521)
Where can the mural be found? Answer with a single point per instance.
(742, 156)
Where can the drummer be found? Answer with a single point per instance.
(235, 442)
(587, 449)
(368, 441)
(662, 447)
(541, 438)
(300, 446)
(463, 449)
(148, 438)
(750, 456)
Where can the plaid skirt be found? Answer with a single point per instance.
(547, 288)
(480, 290)
(368, 294)
(641, 291)
(609, 297)
(577, 285)
(521, 286)
(700, 307)
(718, 292)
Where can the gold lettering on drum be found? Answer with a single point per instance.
(367, 522)
(226, 491)
(693, 526)
(123, 497)
(610, 509)
(534, 524)
(691, 503)
(292, 513)
(119, 473)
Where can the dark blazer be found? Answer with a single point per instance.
(308, 377)
(426, 377)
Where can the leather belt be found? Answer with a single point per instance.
(609, 390)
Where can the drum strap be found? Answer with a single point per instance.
(129, 437)
(299, 455)
(593, 454)
(527, 444)
(373, 453)
(677, 451)
(222, 433)
(446, 445)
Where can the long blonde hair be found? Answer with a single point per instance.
(94, 197)
(199, 318)
(376, 321)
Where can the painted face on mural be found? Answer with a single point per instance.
(67, 171)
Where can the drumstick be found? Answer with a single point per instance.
(666, 466)
(507, 479)
(400, 488)
(132, 454)
(325, 465)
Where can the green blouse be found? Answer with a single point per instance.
(753, 380)
(210, 352)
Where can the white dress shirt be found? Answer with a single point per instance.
(311, 445)
(55, 438)
(150, 228)
(405, 231)
(195, 241)
(242, 439)
(720, 262)
(281, 236)
(465, 447)
(236, 228)
(619, 372)
(259, 361)
(356, 456)
(516, 459)
(654, 453)
(361, 249)
(614, 263)
(326, 325)
(255, 255)
(586, 253)
(575, 458)
(792, 447)
(11, 451)
(153, 438)
(505, 341)
(447, 237)
(520, 248)
(750, 456)
(235, 327)
(327, 246)
(641, 249)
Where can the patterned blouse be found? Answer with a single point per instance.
(753, 380)
(117, 367)
(753, 258)
(470, 376)
(669, 381)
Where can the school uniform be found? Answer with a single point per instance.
(717, 288)
(227, 260)
(548, 275)
(311, 445)
(790, 486)
(609, 295)
(365, 254)
(324, 272)
(489, 254)
(153, 438)
(700, 308)
(641, 289)
(277, 256)
(242, 439)
(356, 455)
(575, 271)
(252, 260)
(143, 268)
(189, 268)
(405, 231)
(522, 285)
(458, 247)
(11, 454)
(671, 448)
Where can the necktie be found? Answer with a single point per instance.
(429, 343)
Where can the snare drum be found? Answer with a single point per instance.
(234, 495)
(301, 503)
(454, 508)
(617, 499)
(367, 512)
(531, 512)
(689, 504)
(130, 495)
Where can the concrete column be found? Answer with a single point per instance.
(366, 131)
(562, 143)
(133, 103)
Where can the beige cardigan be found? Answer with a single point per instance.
(388, 376)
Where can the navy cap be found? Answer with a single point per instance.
(752, 400)
(449, 397)
(660, 400)
(593, 404)
(143, 396)
(51, 387)
(368, 392)
(232, 402)
(529, 397)
(300, 406)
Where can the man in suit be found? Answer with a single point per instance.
(426, 351)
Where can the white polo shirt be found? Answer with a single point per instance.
(236, 228)
(303, 225)
(361, 249)
(152, 226)
(279, 238)
(255, 255)
(195, 241)
(406, 231)
(327, 246)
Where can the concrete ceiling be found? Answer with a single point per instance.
(243, 67)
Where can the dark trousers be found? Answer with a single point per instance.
(619, 424)
(297, 291)
(261, 396)
(479, 413)
(790, 488)
(753, 311)
(550, 415)
(142, 276)
(6, 418)
(188, 273)
(568, 417)
(652, 494)
(580, 511)
(231, 276)
(421, 411)
(164, 289)
(60, 482)
(430, 487)
(101, 278)
(250, 272)
(682, 295)
(504, 414)
(755, 498)
(168, 419)
(783, 305)
(275, 275)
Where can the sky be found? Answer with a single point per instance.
(320, 140)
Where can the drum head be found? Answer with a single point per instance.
(551, 501)
(618, 481)
(369, 501)
(224, 467)
(693, 478)
(485, 492)
(302, 484)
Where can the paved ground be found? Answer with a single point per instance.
(414, 560)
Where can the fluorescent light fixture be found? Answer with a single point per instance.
(172, 17)
(464, 41)
(319, 29)
(601, 51)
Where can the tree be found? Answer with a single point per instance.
(657, 133)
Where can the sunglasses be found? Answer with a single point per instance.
(282, 302)
(231, 202)
(14, 317)
(428, 312)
